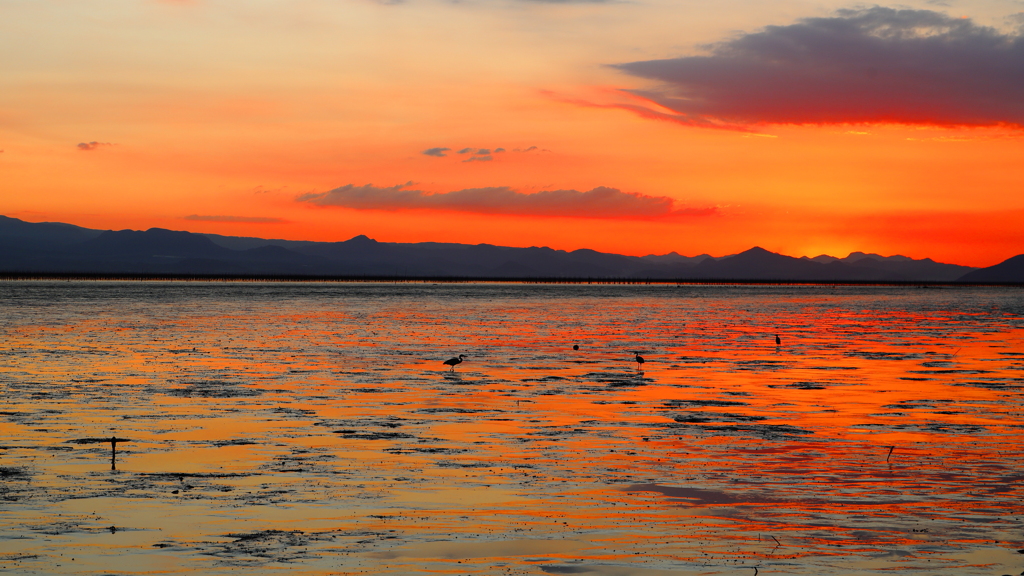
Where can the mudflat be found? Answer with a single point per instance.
(313, 428)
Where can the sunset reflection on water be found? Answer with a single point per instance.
(313, 429)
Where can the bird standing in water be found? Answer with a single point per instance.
(639, 360)
(453, 361)
(778, 341)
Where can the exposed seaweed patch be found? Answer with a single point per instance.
(425, 450)
(883, 355)
(682, 403)
(992, 384)
(940, 427)
(70, 526)
(264, 546)
(389, 422)
(455, 410)
(182, 475)
(374, 435)
(699, 359)
(556, 431)
(913, 404)
(562, 569)
(950, 371)
(765, 431)
(233, 442)
(214, 389)
(14, 473)
(460, 464)
(293, 411)
(701, 417)
(633, 382)
(762, 365)
(799, 386)
(545, 379)
(701, 496)
(617, 379)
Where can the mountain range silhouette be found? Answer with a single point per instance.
(56, 248)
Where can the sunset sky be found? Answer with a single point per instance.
(633, 126)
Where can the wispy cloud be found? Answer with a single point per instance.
(90, 146)
(600, 202)
(439, 152)
(235, 219)
(874, 65)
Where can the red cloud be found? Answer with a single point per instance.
(600, 202)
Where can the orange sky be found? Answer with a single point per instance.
(213, 117)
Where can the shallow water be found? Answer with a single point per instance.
(313, 429)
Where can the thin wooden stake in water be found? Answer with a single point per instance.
(891, 448)
(113, 446)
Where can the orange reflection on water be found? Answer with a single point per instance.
(314, 428)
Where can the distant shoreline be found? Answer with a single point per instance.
(383, 279)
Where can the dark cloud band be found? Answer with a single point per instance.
(876, 65)
(600, 202)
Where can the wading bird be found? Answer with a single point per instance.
(639, 360)
(453, 361)
(778, 341)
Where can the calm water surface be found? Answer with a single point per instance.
(313, 429)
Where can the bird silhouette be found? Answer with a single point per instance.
(453, 361)
(778, 341)
(639, 360)
(575, 346)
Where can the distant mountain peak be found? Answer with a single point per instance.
(361, 239)
(823, 259)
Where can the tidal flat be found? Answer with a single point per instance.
(311, 428)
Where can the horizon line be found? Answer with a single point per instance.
(385, 279)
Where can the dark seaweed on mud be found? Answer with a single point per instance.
(883, 355)
(799, 386)
(617, 379)
(940, 427)
(685, 403)
(374, 435)
(702, 417)
(764, 431)
(213, 389)
(762, 365)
